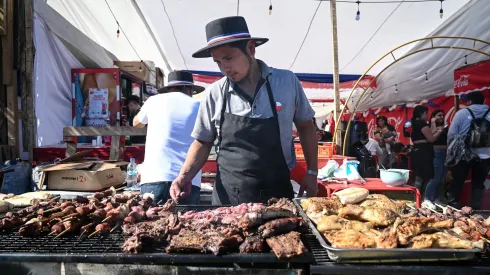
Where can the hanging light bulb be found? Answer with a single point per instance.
(465, 60)
(371, 95)
(358, 14)
(270, 8)
(118, 32)
(441, 11)
(396, 88)
(426, 77)
(141, 68)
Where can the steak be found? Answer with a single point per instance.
(283, 204)
(132, 245)
(155, 230)
(253, 244)
(287, 246)
(252, 219)
(207, 240)
(280, 226)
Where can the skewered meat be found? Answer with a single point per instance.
(80, 199)
(103, 228)
(287, 246)
(88, 228)
(83, 210)
(253, 244)
(250, 220)
(109, 206)
(98, 214)
(466, 210)
(58, 228)
(333, 222)
(376, 216)
(349, 238)
(281, 226)
(99, 195)
(415, 226)
(318, 204)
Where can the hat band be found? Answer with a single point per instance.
(225, 37)
(180, 82)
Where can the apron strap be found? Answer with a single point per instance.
(271, 97)
(223, 109)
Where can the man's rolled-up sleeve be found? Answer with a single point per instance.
(303, 111)
(205, 128)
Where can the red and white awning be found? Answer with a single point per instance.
(475, 77)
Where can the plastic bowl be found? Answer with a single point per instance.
(395, 177)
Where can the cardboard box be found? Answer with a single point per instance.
(133, 67)
(82, 176)
(160, 78)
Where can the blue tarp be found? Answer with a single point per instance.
(318, 78)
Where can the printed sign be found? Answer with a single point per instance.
(98, 103)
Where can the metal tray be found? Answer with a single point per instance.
(392, 255)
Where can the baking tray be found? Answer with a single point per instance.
(393, 255)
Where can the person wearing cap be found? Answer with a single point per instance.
(251, 111)
(170, 116)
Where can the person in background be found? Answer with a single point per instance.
(422, 156)
(479, 169)
(251, 110)
(373, 147)
(170, 116)
(385, 134)
(440, 151)
(134, 107)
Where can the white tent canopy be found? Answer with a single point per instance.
(174, 29)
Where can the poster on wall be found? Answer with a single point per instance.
(98, 101)
(96, 97)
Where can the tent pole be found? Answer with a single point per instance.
(335, 49)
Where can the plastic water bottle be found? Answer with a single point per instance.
(132, 174)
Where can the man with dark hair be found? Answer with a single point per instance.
(134, 106)
(251, 110)
(479, 169)
(170, 117)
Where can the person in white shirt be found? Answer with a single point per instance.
(170, 116)
(373, 147)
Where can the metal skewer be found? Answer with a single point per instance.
(62, 233)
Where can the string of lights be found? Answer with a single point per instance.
(119, 30)
(426, 74)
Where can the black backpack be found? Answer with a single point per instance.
(479, 132)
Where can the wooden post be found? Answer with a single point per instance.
(26, 60)
(335, 53)
(10, 80)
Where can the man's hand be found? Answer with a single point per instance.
(180, 188)
(310, 184)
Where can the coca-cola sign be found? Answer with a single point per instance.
(462, 81)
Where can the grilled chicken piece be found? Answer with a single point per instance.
(387, 238)
(282, 203)
(317, 204)
(381, 201)
(415, 226)
(349, 238)
(441, 240)
(376, 216)
(330, 223)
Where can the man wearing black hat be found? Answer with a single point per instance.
(251, 110)
(170, 117)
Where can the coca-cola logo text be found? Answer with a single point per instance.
(462, 81)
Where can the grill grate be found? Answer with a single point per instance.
(108, 249)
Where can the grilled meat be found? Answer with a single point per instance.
(210, 240)
(250, 220)
(283, 204)
(376, 216)
(382, 201)
(318, 204)
(132, 245)
(333, 222)
(253, 244)
(287, 246)
(349, 238)
(440, 240)
(281, 226)
(414, 226)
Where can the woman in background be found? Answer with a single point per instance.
(440, 151)
(422, 156)
(385, 135)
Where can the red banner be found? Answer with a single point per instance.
(475, 77)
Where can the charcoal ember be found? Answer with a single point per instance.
(132, 245)
(280, 226)
(466, 210)
(253, 244)
(287, 246)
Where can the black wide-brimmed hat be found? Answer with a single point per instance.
(224, 31)
(181, 78)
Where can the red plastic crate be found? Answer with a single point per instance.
(324, 151)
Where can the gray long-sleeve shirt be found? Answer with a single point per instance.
(461, 125)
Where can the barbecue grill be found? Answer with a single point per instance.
(108, 250)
